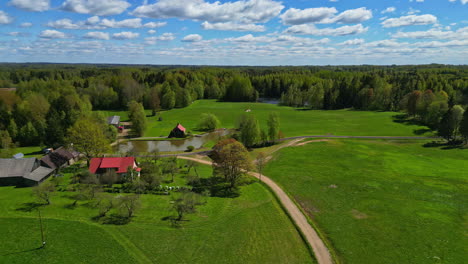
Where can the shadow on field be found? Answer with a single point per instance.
(28, 207)
(444, 145)
(20, 252)
(405, 120)
(113, 219)
(216, 187)
(175, 221)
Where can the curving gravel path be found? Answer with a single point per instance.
(320, 250)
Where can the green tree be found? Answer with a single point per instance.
(240, 90)
(186, 203)
(231, 160)
(44, 191)
(249, 131)
(28, 135)
(88, 138)
(208, 122)
(137, 117)
(450, 123)
(168, 100)
(13, 129)
(464, 127)
(273, 127)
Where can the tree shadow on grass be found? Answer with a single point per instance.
(175, 222)
(444, 145)
(406, 120)
(216, 187)
(422, 131)
(112, 219)
(28, 207)
(20, 252)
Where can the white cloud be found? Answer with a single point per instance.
(461, 33)
(246, 11)
(166, 37)
(96, 7)
(52, 34)
(353, 16)
(96, 23)
(325, 15)
(340, 31)
(31, 5)
(151, 31)
(125, 35)
(97, 35)
(295, 16)
(154, 24)
(26, 24)
(352, 42)
(126, 23)
(18, 34)
(163, 37)
(5, 18)
(233, 26)
(64, 24)
(388, 10)
(410, 20)
(192, 38)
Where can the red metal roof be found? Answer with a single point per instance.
(121, 164)
(180, 127)
(94, 164)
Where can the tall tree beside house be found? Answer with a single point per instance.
(273, 127)
(464, 126)
(231, 160)
(450, 123)
(137, 117)
(88, 138)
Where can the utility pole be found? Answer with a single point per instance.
(42, 230)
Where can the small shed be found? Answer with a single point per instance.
(18, 156)
(114, 120)
(177, 132)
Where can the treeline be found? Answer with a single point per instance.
(51, 97)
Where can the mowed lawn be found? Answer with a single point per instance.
(251, 228)
(294, 122)
(381, 201)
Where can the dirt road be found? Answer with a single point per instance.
(320, 250)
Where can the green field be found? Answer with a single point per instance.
(381, 201)
(251, 228)
(29, 152)
(294, 122)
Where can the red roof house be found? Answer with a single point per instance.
(119, 165)
(178, 132)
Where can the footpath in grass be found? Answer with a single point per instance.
(294, 122)
(381, 201)
(251, 228)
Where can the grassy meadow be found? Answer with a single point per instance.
(381, 201)
(294, 122)
(251, 228)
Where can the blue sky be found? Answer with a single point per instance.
(246, 32)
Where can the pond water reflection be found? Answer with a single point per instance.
(171, 145)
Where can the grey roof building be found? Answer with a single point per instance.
(59, 158)
(113, 120)
(26, 171)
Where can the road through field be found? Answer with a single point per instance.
(320, 250)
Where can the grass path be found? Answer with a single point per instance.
(131, 248)
(320, 250)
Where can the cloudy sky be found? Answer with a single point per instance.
(244, 32)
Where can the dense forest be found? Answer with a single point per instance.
(50, 98)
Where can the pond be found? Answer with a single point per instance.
(269, 100)
(171, 145)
